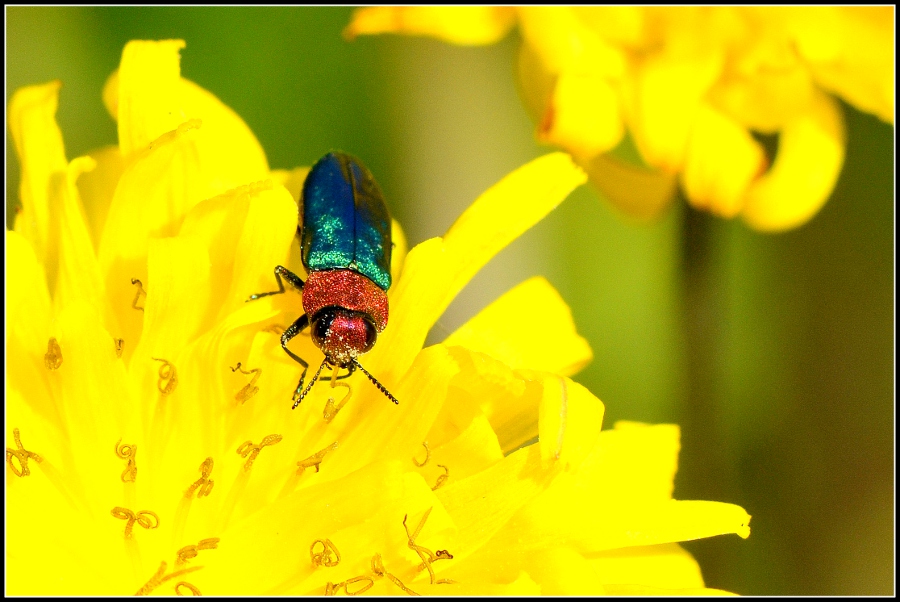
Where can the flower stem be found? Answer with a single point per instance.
(704, 470)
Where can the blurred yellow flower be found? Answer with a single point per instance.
(152, 448)
(690, 85)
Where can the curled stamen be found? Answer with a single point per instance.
(427, 456)
(137, 295)
(120, 346)
(166, 373)
(160, 577)
(248, 390)
(331, 409)
(346, 585)
(427, 556)
(53, 358)
(188, 552)
(329, 556)
(439, 555)
(378, 569)
(142, 518)
(248, 449)
(315, 459)
(194, 591)
(204, 482)
(127, 452)
(443, 478)
(21, 456)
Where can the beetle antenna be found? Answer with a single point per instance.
(376, 383)
(309, 386)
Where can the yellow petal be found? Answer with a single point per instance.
(569, 423)
(97, 187)
(508, 399)
(157, 188)
(536, 82)
(669, 522)
(291, 179)
(504, 330)
(27, 297)
(638, 460)
(562, 571)
(631, 589)
(79, 274)
(662, 566)
(399, 249)
(89, 377)
(765, 84)
(468, 25)
(149, 100)
(722, 160)
(483, 503)
(152, 98)
(593, 523)
(504, 212)
(416, 297)
(371, 428)
(584, 117)
(809, 159)
(266, 234)
(231, 154)
(363, 509)
(849, 51)
(474, 449)
(178, 292)
(39, 145)
(564, 43)
(661, 104)
(435, 271)
(637, 191)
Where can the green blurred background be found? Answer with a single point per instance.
(773, 353)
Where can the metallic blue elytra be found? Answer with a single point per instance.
(345, 223)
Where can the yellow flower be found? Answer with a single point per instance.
(152, 448)
(690, 85)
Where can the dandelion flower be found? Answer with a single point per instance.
(152, 448)
(692, 87)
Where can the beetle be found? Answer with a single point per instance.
(345, 246)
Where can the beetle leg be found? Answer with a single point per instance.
(281, 272)
(289, 333)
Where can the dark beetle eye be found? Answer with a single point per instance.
(321, 324)
(371, 335)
